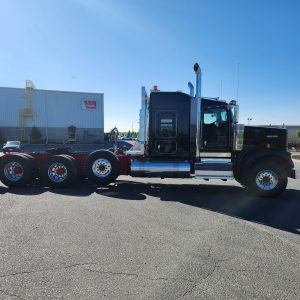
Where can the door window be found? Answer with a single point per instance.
(215, 132)
(215, 116)
(209, 118)
(223, 115)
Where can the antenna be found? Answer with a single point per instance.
(221, 89)
(238, 81)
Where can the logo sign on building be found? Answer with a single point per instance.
(89, 104)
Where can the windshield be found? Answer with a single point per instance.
(13, 143)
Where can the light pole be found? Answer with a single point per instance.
(132, 123)
(249, 120)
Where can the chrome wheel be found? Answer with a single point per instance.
(266, 180)
(57, 172)
(101, 167)
(13, 171)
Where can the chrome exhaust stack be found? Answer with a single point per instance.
(198, 72)
(143, 120)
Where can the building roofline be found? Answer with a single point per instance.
(16, 88)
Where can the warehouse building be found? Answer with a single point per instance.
(59, 116)
(293, 132)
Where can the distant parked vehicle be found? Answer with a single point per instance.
(12, 146)
(126, 138)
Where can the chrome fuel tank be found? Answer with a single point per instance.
(160, 169)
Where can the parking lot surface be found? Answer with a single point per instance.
(149, 239)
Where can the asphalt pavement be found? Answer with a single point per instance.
(149, 239)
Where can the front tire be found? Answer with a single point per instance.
(267, 179)
(102, 167)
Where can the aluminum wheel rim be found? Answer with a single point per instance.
(57, 172)
(101, 167)
(13, 171)
(266, 180)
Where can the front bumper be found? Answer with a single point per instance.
(294, 174)
(11, 150)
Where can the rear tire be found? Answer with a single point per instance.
(59, 171)
(33, 165)
(267, 179)
(16, 170)
(102, 167)
(76, 165)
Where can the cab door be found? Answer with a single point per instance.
(216, 129)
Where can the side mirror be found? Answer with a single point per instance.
(235, 113)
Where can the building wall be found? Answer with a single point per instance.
(57, 134)
(293, 133)
(53, 113)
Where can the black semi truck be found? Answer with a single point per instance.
(181, 136)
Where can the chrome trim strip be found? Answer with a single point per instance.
(215, 154)
(214, 161)
(213, 177)
(213, 173)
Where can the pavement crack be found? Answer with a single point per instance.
(138, 275)
(4, 292)
(196, 283)
(91, 270)
(112, 273)
(46, 270)
(166, 278)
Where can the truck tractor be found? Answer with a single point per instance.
(181, 136)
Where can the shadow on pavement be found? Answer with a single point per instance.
(282, 212)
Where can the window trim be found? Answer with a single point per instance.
(156, 123)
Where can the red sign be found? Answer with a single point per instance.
(89, 104)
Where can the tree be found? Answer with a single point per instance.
(35, 136)
(298, 134)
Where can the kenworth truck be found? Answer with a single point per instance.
(181, 136)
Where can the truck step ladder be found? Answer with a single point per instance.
(214, 168)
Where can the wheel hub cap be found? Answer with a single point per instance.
(266, 180)
(57, 172)
(101, 167)
(13, 171)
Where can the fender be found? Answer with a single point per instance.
(246, 158)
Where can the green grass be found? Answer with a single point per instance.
(296, 157)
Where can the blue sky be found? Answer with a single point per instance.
(115, 47)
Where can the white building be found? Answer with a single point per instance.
(52, 112)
